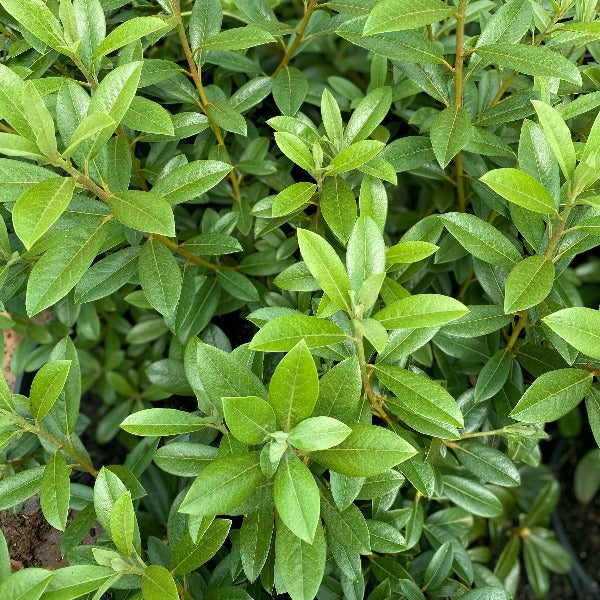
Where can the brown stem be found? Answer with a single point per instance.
(308, 11)
(458, 94)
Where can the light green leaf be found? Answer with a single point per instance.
(19, 487)
(421, 403)
(222, 485)
(188, 556)
(481, 239)
(293, 198)
(25, 584)
(249, 418)
(15, 145)
(163, 421)
(237, 38)
(367, 451)
(149, 117)
(184, 459)
(354, 156)
(421, 310)
(122, 524)
(531, 60)
(191, 180)
(338, 207)
(332, 118)
(450, 132)
(75, 581)
(227, 117)
(297, 497)
(40, 120)
(552, 395)
(38, 208)
(127, 32)
(409, 252)
(294, 387)
(47, 385)
(366, 252)
(11, 107)
(160, 277)
(55, 491)
(158, 584)
(300, 565)
(290, 87)
(91, 27)
(528, 283)
(295, 149)
(97, 123)
(318, 433)
(371, 110)
(326, 267)
(579, 327)
(374, 331)
(144, 211)
(390, 15)
(521, 189)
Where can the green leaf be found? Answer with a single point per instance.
(294, 387)
(481, 239)
(449, 133)
(73, 582)
(184, 459)
(521, 189)
(26, 584)
(37, 18)
(371, 110)
(227, 117)
(15, 145)
(318, 433)
(122, 524)
(55, 491)
(531, 60)
(528, 283)
(439, 567)
(191, 180)
(293, 198)
(237, 285)
(160, 277)
(374, 331)
(40, 120)
(289, 90)
(487, 463)
(367, 451)
(127, 32)
(471, 496)
(295, 149)
(98, 123)
(326, 267)
(340, 390)
(255, 541)
(188, 556)
(209, 244)
(144, 211)
(338, 207)
(347, 526)
(354, 156)
(552, 395)
(332, 118)
(300, 565)
(11, 107)
(237, 38)
(390, 15)
(366, 252)
(163, 421)
(38, 208)
(493, 375)
(420, 310)
(158, 584)
(579, 327)
(558, 136)
(91, 27)
(249, 418)
(149, 117)
(409, 252)
(46, 387)
(17, 488)
(297, 497)
(222, 485)
(421, 403)
(205, 21)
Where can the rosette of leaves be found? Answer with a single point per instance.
(359, 261)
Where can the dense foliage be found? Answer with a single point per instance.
(317, 273)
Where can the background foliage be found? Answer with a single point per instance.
(319, 273)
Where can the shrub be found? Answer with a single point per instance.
(318, 276)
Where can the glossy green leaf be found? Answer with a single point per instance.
(392, 16)
(354, 156)
(450, 132)
(144, 211)
(318, 433)
(528, 283)
(46, 387)
(17, 488)
(55, 492)
(578, 326)
(249, 418)
(293, 198)
(158, 584)
(471, 496)
(338, 206)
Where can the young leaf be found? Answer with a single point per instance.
(97, 124)
(552, 395)
(46, 387)
(249, 418)
(122, 524)
(318, 433)
(55, 491)
(528, 283)
(294, 387)
(222, 485)
(366, 252)
(368, 114)
(450, 132)
(237, 38)
(390, 15)
(295, 149)
(144, 211)
(421, 310)
(579, 327)
(326, 267)
(158, 584)
(40, 206)
(409, 252)
(354, 156)
(293, 198)
(297, 497)
(521, 189)
(367, 451)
